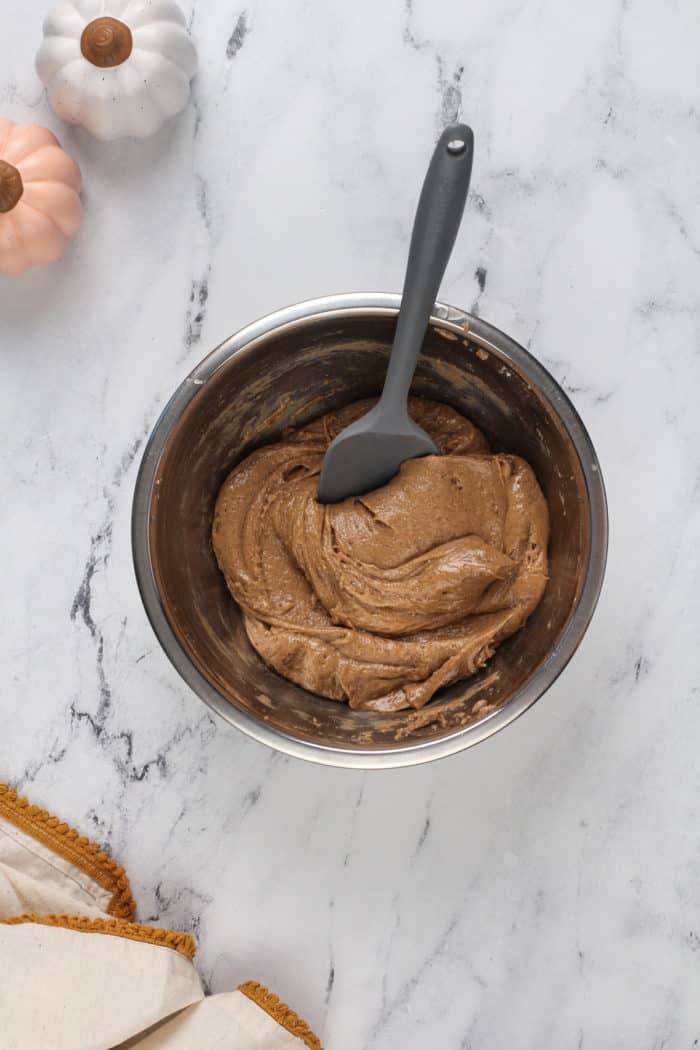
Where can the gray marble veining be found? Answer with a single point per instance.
(543, 888)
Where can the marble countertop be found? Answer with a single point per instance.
(542, 889)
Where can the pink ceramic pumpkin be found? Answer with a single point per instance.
(39, 202)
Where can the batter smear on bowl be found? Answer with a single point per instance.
(383, 599)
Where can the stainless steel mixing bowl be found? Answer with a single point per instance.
(285, 370)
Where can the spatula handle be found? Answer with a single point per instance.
(435, 228)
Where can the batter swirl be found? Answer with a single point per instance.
(383, 599)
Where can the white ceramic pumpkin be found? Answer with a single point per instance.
(118, 67)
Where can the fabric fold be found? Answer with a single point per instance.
(80, 974)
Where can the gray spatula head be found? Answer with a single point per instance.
(370, 451)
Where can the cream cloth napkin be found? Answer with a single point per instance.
(79, 974)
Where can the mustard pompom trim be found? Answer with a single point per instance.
(280, 1012)
(132, 931)
(73, 847)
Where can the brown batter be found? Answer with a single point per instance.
(384, 598)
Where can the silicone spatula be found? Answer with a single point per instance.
(369, 452)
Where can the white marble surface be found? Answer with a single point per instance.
(543, 889)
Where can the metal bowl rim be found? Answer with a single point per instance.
(463, 324)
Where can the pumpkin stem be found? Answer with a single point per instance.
(106, 42)
(11, 186)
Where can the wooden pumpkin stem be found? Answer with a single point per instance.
(106, 42)
(11, 186)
